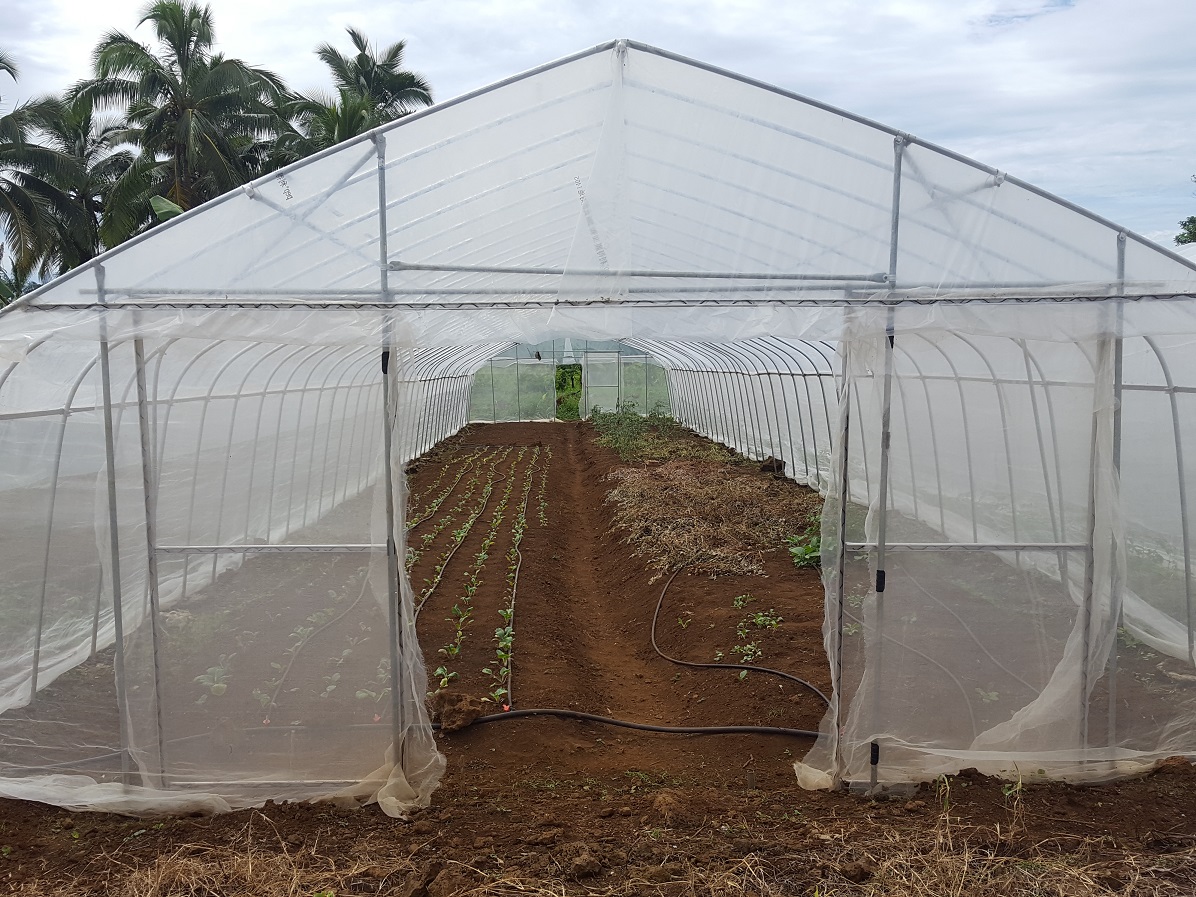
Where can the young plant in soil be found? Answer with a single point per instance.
(443, 676)
(542, 495)
(504, 636)
(414, 553)
(500, 673)
(746, 649)
(415, 518)
(806, 549)
(376, 690)
(462, 613)
(459, 536)
(216, 679)
(300, 636)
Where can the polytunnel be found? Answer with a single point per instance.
(991, 386)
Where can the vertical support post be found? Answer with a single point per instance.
(899, 144)
(149, 483)
(1089, 566)
(554, 369)
(392, 559)
(493, 400)
(518, 397)
(45, 581)
(841, 567)
(882, 504)
(389, 412)
(118, 665)
(584, 407)
(882, 498)
(1118, 579)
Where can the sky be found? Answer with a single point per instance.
(1093, 100)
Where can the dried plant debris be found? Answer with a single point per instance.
(715, 518)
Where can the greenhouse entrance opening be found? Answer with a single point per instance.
(565, 379)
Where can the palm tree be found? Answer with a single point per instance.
(14, 284)
(33, 205)
(197, 117)
(322, 121)
(379, 77)
(92, 143)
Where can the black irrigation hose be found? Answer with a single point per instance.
(643, 727)
(722, 666)
(514, 589)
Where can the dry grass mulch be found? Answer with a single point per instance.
(713, 518)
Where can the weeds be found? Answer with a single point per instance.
(636, 437)
(806, 549)
(714, 519)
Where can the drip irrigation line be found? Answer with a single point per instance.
(428, 512)
(926, 657)
(979, 644)
(723, 666)
(515, 588)
(486, 501)
(365, 583)
(75, 764)
(511, 659)
(642, 727)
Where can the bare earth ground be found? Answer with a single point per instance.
(554, 806)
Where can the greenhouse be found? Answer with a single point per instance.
(989, 385)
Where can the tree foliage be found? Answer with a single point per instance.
(165, 126)
(197, 118)
(35, 180)
(1187, 233)
(377, 76)
(372, 89)
(1187, 229)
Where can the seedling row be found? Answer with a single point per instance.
(464, 564)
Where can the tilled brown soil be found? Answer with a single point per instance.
(544, 805)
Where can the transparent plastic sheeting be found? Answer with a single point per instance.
(202, 456)
(265, 463)
(1035, 617)
(624, 173)
(766, 398)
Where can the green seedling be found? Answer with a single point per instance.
(216, 678)
(747, 653)
(806, 549)
(330, 684)
(768, 619)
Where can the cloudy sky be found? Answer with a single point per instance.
(1094, 100)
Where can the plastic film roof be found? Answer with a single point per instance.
(623, 178)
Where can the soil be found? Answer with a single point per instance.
(548, 805)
